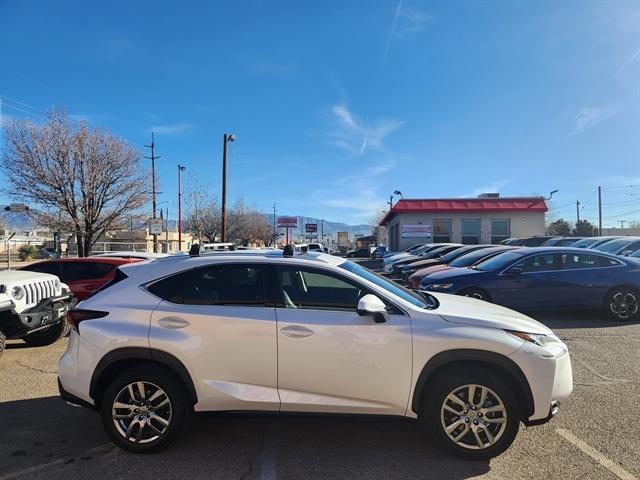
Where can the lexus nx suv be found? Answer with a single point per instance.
(305, 333)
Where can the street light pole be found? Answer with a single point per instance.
(181, 169)
(153, 159)
(226, 139)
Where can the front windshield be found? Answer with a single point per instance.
(455, 254)
(584, 243)
(613, 245)
(498, 262)
(471, 258)
(419, 300)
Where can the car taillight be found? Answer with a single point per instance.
(74, 317)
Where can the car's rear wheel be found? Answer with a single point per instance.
(476, 293)
(49, 335)
(623, 304)
(144, 409)
(471, 412)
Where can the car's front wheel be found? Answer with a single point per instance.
(471, 412)
(623, 304)
(144, 409)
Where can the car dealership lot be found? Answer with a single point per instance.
(42, 437)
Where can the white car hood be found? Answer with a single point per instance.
(469, 311)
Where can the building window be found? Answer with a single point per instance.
(470, 232)
(441, 231)
(500, 230)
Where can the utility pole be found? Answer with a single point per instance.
(578, 211)
(621, 222)
(599, 210)
(226, 139)
(390, 202)
(322, 231)
(153, 159)
(275, 235)
(166, 232)
(181, 169)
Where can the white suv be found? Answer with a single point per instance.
(305, 333)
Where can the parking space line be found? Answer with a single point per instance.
(610, 465)
(44, 466)
(268, 464)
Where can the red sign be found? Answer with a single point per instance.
(291, 222)
(311, 227)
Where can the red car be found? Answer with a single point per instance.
(83, 275)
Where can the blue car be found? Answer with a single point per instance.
(549, 277)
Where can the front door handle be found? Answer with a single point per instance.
(172, 323)
(296, 331)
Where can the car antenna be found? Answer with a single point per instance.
(194, 251)
(288, 251)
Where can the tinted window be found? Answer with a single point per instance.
(612, 246)
(609, 262)
(585, 243)
(77, 271)
(536, 263)
(44, 267)
(628, 250)
(473, 257)
(315, 289)
(572, 261)
(103, 269)
(470, 232)
(498, 262)
(214, 285)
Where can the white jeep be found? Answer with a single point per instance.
(33, 307)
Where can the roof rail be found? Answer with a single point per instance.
(194, 251)
(288, 251)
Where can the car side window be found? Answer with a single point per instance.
(536, 263)
(225, 285)
(52, 268)
(77, 272)
(314, 289)
(629, 249)
(609, 262)
(573, 261)
(103, 269)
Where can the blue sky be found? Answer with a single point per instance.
(337, 104)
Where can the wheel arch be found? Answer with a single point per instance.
(116, 361)
(473, 287)
(507, 368)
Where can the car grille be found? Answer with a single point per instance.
(37, 291)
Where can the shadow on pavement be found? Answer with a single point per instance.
(46, 438)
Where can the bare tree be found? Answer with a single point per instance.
(249, 226)
(80, 179)
(203, 216)
(379, 231)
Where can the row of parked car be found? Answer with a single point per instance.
(563, 272)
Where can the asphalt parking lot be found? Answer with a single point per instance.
(594, 437)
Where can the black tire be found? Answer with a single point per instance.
(435, 417)
(474, 292)
(3, 340)
(49, 335)
(622, 304)
(179, 413)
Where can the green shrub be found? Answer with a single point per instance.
(27, 252)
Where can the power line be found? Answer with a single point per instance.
(7, 105)
(22, 103)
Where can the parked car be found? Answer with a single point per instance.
(442, 249)
(83, 275)
(508, 241)
(359, 253)
(410, 249)
(423, 248)
(549, 277)
(315, 247)
(592, 242)
(561, 242)
(412, 267)
(33, 307)
(535, 241)
(620, 246)
(463, 261)
(301, 334)
(378, 252)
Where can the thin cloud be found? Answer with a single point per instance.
(349, 133)
(406, 21)
(590, 117)
(175, 129)
(631, 60)
(494, 187)
(393, 29)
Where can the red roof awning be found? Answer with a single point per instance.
(467, 205)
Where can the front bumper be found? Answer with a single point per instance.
(46, 313)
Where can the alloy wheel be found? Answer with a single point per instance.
(624, 305)
(473, 417)
(141, 412)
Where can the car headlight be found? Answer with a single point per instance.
(535, 338)
(440, 286)
(17, 293)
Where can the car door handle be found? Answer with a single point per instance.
(172, 323)
(296, 331)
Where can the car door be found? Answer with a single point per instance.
(216, 320)
(530, 282)
(586, 278)
(330, 358)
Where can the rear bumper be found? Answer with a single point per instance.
(72, 399)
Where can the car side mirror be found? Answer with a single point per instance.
(372, 306)
(515, 271)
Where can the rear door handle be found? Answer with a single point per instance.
(296, 331)
(172, 323)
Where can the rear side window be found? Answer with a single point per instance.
(77, 271)
(52, 268)
(229, 284)
(103, 269)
